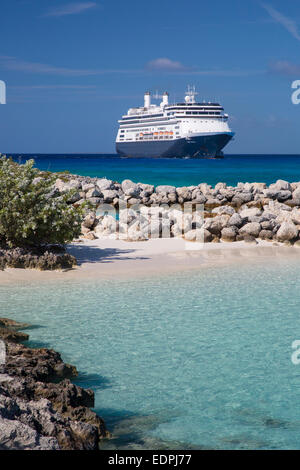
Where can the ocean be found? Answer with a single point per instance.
(177, 171)
(182, 361)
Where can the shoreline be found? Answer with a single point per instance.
(118, 259)
(40, 408)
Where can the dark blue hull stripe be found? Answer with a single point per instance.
(200, 146)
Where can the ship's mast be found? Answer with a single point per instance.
(190, 94)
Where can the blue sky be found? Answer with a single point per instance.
(72, 68)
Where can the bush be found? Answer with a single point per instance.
(32, 213)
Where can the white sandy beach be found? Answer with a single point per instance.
(122, 259)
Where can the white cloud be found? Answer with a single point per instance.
(71, 9)
(285, 67)
(155, 66)
(165, 64)
(289, 24)
(12, 63)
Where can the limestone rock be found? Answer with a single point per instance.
(252, 229)
(104, 184)
(287, 231)
(228, 234)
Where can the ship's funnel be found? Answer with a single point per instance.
(165, 99)
(147, 99)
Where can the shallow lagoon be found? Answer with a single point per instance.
(192, 360)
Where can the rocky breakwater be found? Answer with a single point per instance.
(49, 257)
(248, 211)
(40, 408)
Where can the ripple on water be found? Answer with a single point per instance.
(197, 360)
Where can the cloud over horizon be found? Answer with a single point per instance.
(165, 64)
(156, 66)
(70, 9)
(289, 24)
(284, 67)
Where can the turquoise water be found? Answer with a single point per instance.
(188, 360)
(176, 171)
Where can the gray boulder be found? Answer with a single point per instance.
(228, 234)
(130, 188)
(281, 185)
(252, 229)
(235, 220)
(266, 234)
(93, 192)
(287, 231)
(104, 184)
(165, 189)
(284, 195)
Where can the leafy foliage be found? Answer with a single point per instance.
(32, 212)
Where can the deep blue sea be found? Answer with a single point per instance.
(178, 171)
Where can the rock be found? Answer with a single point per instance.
(250, 239)
(220, 186)
(109, 195)
(216, 224)
(271, 193)
(104, 184)
(198, 197)
(94, 192)
(228, 234)
(211, 203)
(39, 408)
(287, 231)
(283, 195)
(12, 335)
(242, 197)
(90, 236)
(146, 189)
(268, 224)
(207, 236)
(63, 186)
(130, 188)
(12, 324)
(89, 220)
(281, 185)
(184, 194)
(87, 187)
(251, 229)
(224, 210)
(250, 213)
(165, 189)
(266, 234)
(296, 193)
(74, 198)
(295, 216)
(190, 235)
(235, 220)
(14, 435)
(43, 258)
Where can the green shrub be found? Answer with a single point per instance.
(31, 212)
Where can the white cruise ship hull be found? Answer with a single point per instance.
(197, 146)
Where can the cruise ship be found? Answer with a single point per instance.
(188, 129)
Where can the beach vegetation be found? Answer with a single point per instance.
(32, 211)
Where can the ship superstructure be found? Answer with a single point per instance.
(188, 129)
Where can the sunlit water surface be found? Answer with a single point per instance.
(199, 360)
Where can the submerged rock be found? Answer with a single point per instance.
(39, 408)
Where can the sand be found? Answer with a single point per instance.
(113, 259)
